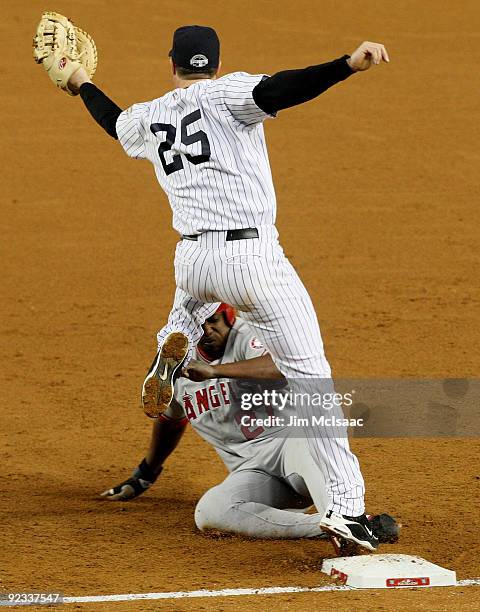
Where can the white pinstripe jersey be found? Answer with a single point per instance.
(208, 148)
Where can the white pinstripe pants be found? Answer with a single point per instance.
(255, 276)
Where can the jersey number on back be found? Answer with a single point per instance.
(187, 139)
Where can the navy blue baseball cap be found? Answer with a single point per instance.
(195, 48)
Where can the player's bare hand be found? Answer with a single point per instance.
(198, 371)
(368, 53)
(77, 79)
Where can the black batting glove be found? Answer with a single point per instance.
(141, 479)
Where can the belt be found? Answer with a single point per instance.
(238, 234)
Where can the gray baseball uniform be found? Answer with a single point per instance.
(270, 475)
(213, 409)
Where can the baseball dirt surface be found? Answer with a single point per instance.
(377, 188)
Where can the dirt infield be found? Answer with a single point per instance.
(377, 186)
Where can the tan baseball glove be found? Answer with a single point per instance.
(63, 48)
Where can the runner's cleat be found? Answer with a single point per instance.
(157, 390)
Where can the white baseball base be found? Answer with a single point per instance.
(387, 571)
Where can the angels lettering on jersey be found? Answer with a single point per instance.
(209, 397)
(214, 410)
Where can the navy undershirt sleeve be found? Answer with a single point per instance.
(291, 87)
(103, 110)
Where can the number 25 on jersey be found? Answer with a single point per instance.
(186, 138)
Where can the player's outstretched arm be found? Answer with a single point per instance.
(166, 434)
(103, 110)
(257, 368)
(291, 87)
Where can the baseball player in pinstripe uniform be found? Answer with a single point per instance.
(206, 141)
(272, 478)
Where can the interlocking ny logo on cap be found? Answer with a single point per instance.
(199, 61)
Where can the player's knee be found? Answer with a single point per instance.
(211, 510)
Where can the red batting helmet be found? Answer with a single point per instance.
(229, 313)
